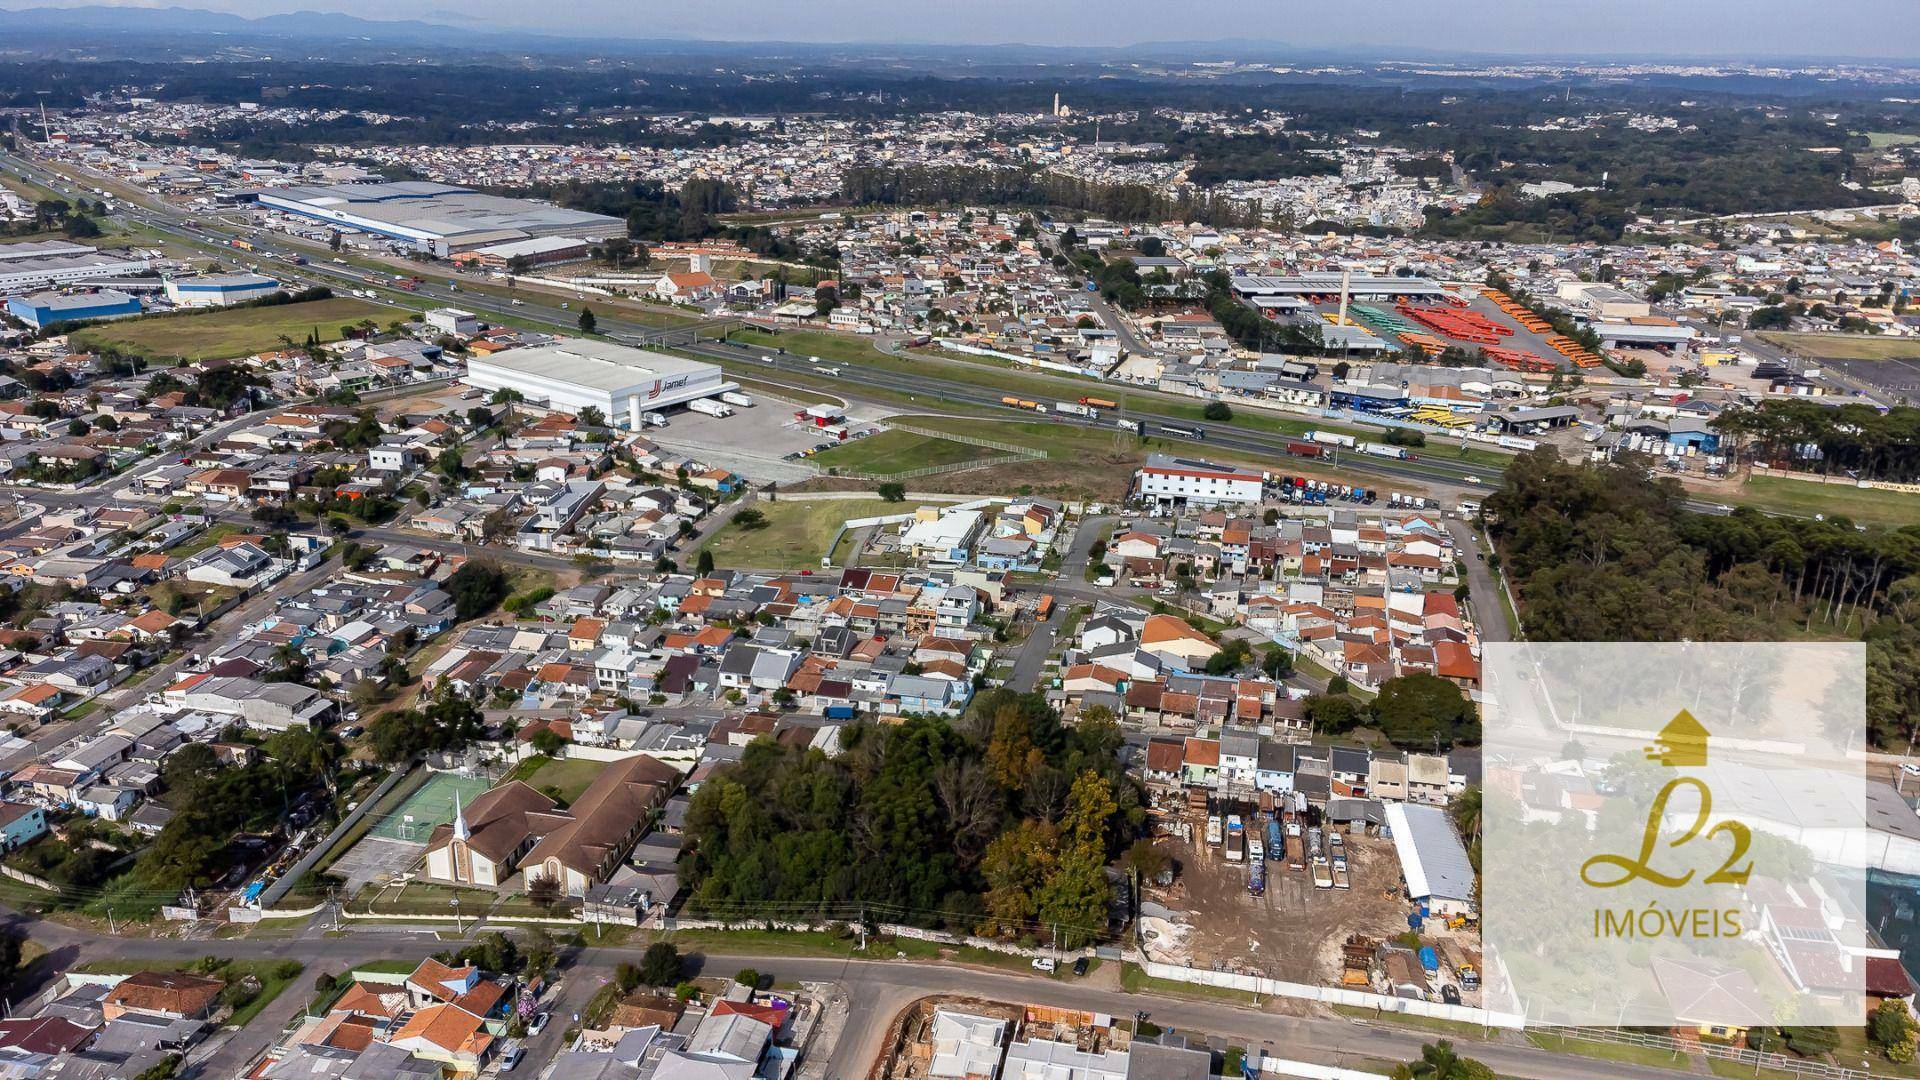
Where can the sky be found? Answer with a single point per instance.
(1868, 29)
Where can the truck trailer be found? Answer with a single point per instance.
(710, 407)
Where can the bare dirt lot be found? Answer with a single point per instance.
(1294, 932)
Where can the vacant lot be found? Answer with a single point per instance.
(223, 335)
(1865, 506)
(899, 451)
(1848, 346)
(796, 534)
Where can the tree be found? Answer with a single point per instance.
(703, 563)
(1146, 860)
(893, 491)
(1424, 710)
(661, 965)
(588, 323)
(750, 519)
(627, 977)
(747, 977)
(548, 741)
(1218, 411)
(477, 587)
(1891, 1028)
(1438, 1061)
(543, 891)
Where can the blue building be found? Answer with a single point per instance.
(44, 309)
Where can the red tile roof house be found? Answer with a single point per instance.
(173, 995)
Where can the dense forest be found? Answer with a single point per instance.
(1602, 553)
(1003, 822)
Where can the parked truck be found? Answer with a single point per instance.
(1236, 838)
(710, 407)
(1276, 844)
(733, 397)
(1257, 878)
(654, 419)
(1213, 828)
(1322, 874)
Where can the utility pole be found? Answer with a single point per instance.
(111, 928)
(46, 131)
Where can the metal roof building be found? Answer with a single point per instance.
(622, 382)
(1358, 286)
(440, 217)
(1432, 858)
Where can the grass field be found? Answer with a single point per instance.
(1864, 506)
(899, 451)
(566, 776)
(223, 335)
(1848, 346)
(796, 534)
(1880, 140)
(1001, 376)
(1603, 1051)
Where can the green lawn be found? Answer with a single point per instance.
(1879, 140)
(1847, 346)
(899, 451)
(569, 776)
(221, 335)
(797, 532)
(1606, 1051)
(208, 537)
(1865, 506)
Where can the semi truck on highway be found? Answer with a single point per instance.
(1129, 425)
(1332, 438)
(1384, 450)
(1074, 408)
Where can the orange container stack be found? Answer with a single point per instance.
(1459, 325)
(1516, 360)
(1426, 343)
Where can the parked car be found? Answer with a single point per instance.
(1045, 963)
(512, 1059)
(538, 1024)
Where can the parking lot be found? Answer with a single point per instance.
(1295, 930)
(753, 442)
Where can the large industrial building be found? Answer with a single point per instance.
(574, 373)
(219, 290)
(57, 262)
(1173, 481)
(440, 218)
(41, 310)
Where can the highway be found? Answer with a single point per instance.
(693, 340)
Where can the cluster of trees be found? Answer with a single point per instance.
(1413, 711)
(212, 802)
(962, 186)
(654, 212)
(77, 221)
(1004, 822)
(215, 388)
(1602, 553)
(445, 722)
(1854, 439)
(477, 588)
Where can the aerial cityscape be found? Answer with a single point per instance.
(837, 544)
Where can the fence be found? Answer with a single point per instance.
(971, 440)
(1752, 1059)
(1332, 995)
(277, 891)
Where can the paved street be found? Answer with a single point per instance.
(1489, 614)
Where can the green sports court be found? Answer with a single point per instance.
(414, 820)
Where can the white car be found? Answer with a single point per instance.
(1044, 963)
(538, 1024)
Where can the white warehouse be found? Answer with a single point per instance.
(622, 382)
(1169, 480)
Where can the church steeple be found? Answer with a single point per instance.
(460, 832)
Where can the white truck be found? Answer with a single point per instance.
(1074, 408)
(735, 398)
(1384, 450)
(654, 419)
(1331, 438)
(710, 407)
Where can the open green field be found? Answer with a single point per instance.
(1847, 346)
(564, 778)
(1880, 140)
(796, 534)
(1864, 506)
(899, 451)
(223, 335)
